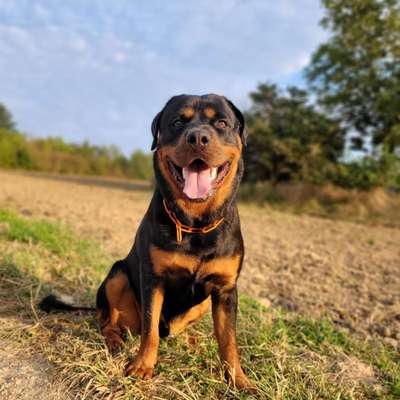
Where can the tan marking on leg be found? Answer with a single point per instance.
(226, 338)
(178, 324)
(143, 364)
(124, 311)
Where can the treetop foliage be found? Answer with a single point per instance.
(6, 120)
(356, 73)
(289, 138)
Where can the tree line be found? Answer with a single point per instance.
(53, 154)
(344, 128)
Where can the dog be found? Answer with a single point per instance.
(188, 251)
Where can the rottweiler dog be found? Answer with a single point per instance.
(188, 251)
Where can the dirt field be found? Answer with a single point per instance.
(347, 272)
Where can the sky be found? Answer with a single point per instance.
(100, 70)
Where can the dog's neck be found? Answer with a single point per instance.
(190, 229)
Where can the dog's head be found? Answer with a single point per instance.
(198, 142)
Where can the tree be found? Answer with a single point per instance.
(140, 165)
(6, 120)
(356, 73)
(288, 138)
(14, 150)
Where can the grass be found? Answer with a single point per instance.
(288, 356)
(51, 236)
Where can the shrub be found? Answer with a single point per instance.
(368, 173)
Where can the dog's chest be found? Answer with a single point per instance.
(188, 270)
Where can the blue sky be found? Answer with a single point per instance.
(101, 69)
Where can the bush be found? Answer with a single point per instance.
(364, 174)
(368, 173)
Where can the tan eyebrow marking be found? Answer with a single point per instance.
(209, 112)
(187, 112)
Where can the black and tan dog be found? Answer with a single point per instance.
(188, 250)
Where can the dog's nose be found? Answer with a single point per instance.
(198, 138)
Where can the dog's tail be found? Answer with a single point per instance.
(54, 303)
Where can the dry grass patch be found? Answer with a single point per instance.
(376, 206)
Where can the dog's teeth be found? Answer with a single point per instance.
(213, 173)
(184, 173)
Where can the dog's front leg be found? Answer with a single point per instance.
(144, 362)
(224, 309)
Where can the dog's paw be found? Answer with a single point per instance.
(114, 342)
(140, 368)
(241, 382)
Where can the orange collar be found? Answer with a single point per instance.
(189, 229)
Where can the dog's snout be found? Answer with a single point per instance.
(198, 138)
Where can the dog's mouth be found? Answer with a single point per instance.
(198, 180)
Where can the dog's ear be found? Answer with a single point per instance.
(240, 118)
(155, 129)
(155, 125)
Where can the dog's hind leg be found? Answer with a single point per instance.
(118, 309)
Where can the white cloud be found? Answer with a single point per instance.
(41, 12)
(119, 57)
(8, 6)
(79, 44)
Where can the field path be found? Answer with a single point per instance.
(345, 271)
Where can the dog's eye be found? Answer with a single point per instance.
(177, 123)
(221, 124)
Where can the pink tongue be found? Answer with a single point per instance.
(197, 184)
